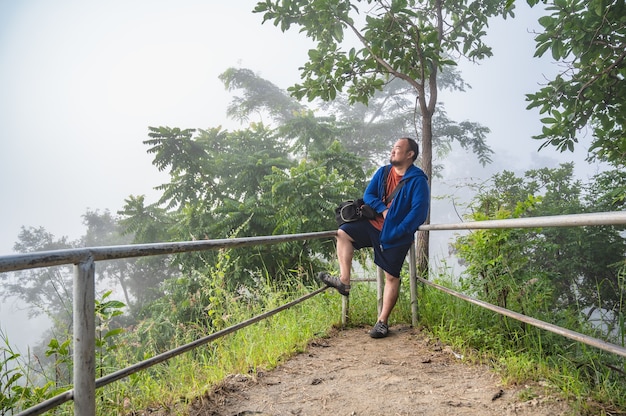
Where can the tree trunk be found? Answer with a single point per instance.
(423, 237)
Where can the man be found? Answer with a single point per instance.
(392, 232)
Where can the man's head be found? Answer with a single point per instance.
(404, 152)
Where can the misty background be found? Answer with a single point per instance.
(81, 83)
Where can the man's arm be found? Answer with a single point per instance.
(372, 195)
(410, 218)
(420, 204)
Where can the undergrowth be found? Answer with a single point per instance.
(258, 347)
(591, 380)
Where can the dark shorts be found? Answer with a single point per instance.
(365, 234)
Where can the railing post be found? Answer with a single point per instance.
(413, 285)
(84, 338)
(345, 306)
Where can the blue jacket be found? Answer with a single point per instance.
(408, 210)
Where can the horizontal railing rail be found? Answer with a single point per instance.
(576, 336)
(78, 255)
(84, 260)
(570, 220)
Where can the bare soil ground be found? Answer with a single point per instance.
(350, 373)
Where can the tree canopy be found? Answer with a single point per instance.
(362, 45)
(588, 39)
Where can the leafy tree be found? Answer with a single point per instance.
(298, 126)
(405, 39)
(301, 200)
(139, 279)
(211, 173)
(49, 290)
(259, 95)
(589, 39)
(215, 165)
(147, 223)
(606, 192)
(46, 290)
(255, 187)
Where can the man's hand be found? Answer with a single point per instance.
(385, 213)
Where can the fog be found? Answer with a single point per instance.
(81, 82)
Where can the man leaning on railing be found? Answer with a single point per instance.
(399, 194)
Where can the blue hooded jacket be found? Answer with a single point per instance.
(408, 209)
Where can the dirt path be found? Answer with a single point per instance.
(351, 374)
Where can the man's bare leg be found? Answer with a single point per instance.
(390, 296)
(345, 253)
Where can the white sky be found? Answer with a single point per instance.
(81, 82)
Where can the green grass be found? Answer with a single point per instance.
(260, 346)
(520, 355)
(524, 355)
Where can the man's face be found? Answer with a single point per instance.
(401, 153)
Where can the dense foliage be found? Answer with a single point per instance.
(552, 272)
